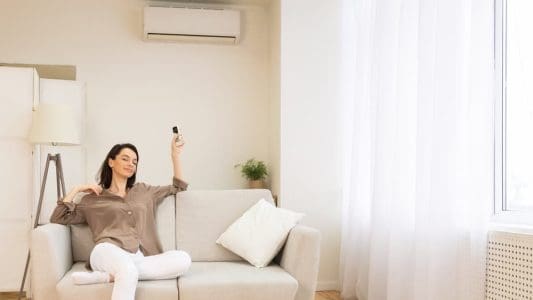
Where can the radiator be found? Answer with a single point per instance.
(509, 266)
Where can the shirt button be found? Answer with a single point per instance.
(129, 212)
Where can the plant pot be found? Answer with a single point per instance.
(255, 184)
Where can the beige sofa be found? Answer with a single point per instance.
(191, 221)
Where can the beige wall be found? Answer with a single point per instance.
(271, 97)
(275, 28)
(136, 91)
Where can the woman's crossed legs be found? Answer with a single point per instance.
(127, 268)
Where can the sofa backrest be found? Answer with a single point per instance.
(82, 241)
(193, 225)
(202, 216)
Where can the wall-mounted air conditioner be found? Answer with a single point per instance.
(192, 24)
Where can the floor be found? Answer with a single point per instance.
(327, 295)
(12, 296)
(324, 295)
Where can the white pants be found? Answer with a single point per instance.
(127, 268)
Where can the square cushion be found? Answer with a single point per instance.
(201, 216)
(234, 281)
(259, 233)
(82, 242)
(146, 290)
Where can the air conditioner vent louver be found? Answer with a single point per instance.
(192, 25)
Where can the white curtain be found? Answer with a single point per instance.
(418, 183)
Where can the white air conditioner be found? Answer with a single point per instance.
(192, 24)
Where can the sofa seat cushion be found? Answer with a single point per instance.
(234, 281)
(146, 290)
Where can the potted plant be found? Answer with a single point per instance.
(255, 171)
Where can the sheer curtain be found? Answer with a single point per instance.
(418, 183)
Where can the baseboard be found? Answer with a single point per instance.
(327, 286)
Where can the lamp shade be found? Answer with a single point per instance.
(54, 124)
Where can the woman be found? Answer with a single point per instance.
(121, 216)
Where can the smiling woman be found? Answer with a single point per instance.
(121, 216)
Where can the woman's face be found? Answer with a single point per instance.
(124, 164)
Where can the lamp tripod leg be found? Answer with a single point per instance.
(24, 277)
(61, 192)
(60, 189)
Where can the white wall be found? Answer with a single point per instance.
(136, 91)
(310, 128)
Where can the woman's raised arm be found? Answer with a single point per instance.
(175, 150)
(66, 212)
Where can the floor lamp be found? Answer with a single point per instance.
(52, 124)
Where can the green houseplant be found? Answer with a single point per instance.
(255, 171)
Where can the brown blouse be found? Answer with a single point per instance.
(127, 222)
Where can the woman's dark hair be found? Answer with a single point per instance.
(105, 174)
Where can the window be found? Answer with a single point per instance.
(514, 109)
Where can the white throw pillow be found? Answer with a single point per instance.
(259, 233)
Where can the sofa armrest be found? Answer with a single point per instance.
(301, 257)
(51, 258)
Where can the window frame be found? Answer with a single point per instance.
(501, 213)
